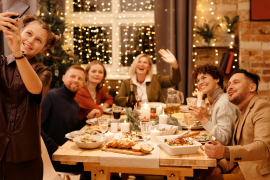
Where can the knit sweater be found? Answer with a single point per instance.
(59, 116)
(223, 117)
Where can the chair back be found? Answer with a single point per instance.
(48, 170)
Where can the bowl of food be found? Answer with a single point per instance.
(89, 141)
(175, 145)
(165, 129)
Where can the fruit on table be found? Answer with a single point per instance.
(153, 115)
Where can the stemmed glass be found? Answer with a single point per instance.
(138, 97)
(145, 129)
(190, 116)
(189, 120)
(103, 125)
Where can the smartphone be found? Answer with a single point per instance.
(18, 7)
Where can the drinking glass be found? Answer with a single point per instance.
(138, 98)
(116, 112)
(145, 129)
(189, 120)
(103, 125)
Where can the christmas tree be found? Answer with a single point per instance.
(59, 58)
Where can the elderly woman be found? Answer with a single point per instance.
(92, 95)
(145, 82)
(223, 113)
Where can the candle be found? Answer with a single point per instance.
(159, 110)
(114, 127)
(145, 111)
(153, 135)
(109, 136)
(163, 118)
(125, 127)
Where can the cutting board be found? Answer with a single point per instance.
(123, 151)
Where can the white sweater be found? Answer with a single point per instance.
(222, 121)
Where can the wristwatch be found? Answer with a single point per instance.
(24, 54)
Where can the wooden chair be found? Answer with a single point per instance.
(49, 172)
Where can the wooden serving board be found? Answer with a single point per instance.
(123, 151)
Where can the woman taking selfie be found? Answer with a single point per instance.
(92, 95)
(223, 113)
(147, 84)
(24, 82)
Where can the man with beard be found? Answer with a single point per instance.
(248, 158)
(60, 115)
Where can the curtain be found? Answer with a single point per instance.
(174, 21)
(5, 6)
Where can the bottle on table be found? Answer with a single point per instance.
(131, 98)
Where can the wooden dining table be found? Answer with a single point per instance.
(175, 167)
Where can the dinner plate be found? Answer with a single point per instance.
(109, 111)
(116, 136)
(92, 121)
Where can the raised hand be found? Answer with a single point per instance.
(14, 38)
(168, 57)
(6, 21)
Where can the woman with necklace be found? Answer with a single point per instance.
(145, 82)
(92, 95)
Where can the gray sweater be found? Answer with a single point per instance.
(223, 117)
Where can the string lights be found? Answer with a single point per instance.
(206, 13)
(105, 30)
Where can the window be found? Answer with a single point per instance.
(112, 31)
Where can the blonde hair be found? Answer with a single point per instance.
(132, 69)
(88, 67)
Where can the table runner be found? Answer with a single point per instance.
(125, 160)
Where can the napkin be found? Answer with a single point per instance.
(125, 160)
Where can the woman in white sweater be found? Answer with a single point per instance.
(221, 119)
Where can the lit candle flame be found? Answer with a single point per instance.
(108, 132)
(155, 128)
(125, 121)
(160, 106)
(145, 105)
(163, 113)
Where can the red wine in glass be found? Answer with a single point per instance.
(116, 115)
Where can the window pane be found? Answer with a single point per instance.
(137, 5)
(93, 43)
(92, 5)
(136, 40)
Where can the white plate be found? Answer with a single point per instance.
(101, 140)
(92, 121)
(109, 111)
(116, 136)
(74, 134)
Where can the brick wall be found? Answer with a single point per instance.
(254, 43)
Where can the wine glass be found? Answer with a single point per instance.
(103, 125)
(189, 120)
(145, 129)
(138, 98)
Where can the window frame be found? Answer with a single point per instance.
(113, 18)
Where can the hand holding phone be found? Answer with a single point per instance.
(5, 20)
(18, 7)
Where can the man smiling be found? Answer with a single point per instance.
(60, 115)
(248, 158)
